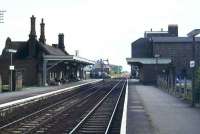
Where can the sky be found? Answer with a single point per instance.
(99, 29)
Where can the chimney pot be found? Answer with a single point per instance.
(42, 32)
(173, 29)
(61, 41)
(55, 45)
(33, 32)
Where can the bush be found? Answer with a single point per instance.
(197, 82)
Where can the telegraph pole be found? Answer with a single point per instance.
(193, 63)
(2, 16)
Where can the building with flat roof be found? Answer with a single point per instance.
(162, 52)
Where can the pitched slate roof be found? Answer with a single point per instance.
(20, 46)
(53, 51)
(68, 58)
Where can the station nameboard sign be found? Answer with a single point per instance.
(192, 64)
(12, 67)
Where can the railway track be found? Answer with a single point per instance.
(10, 113)
(63, 116)
(100, 118)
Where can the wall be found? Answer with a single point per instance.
(148, 73)
(141, 48)
(180, 53)
(28, 67)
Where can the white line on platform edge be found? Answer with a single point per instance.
(42, 95)
(124, 116)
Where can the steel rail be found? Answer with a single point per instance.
(7, 110)
(39, 97)
(93, 109)
(115, 109)
(63, 110)
(48, 107)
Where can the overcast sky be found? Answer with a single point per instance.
(97, 28)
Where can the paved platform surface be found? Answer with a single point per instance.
(32, 91)
(138, 121)
(151, 110)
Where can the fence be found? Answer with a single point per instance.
(181, 89)
(0, 83)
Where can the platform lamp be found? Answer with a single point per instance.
(11, 67)
(156, 68)
(192, 34)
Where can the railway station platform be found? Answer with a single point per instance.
(6, 97)
(153, 111)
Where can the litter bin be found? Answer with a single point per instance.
(18, 80)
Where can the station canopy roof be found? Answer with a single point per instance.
(68, 58)
(148, 60)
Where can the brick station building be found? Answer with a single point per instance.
(38, 63)
(163, 53)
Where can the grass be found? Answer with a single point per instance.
(5, 88)
(187, 94)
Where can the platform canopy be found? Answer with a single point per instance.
(49, 61)
(148, 60)
(68, 58)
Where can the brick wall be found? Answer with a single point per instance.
(148, 73)
(180, 53)
(27, 67)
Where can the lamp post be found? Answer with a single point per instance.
(192, 34)
(11, 67)
(156, 67)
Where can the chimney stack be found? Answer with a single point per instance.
(76, 52)
(55, 45)
(32, 34)
(173, 29)
(42, 32)
(61, 41)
